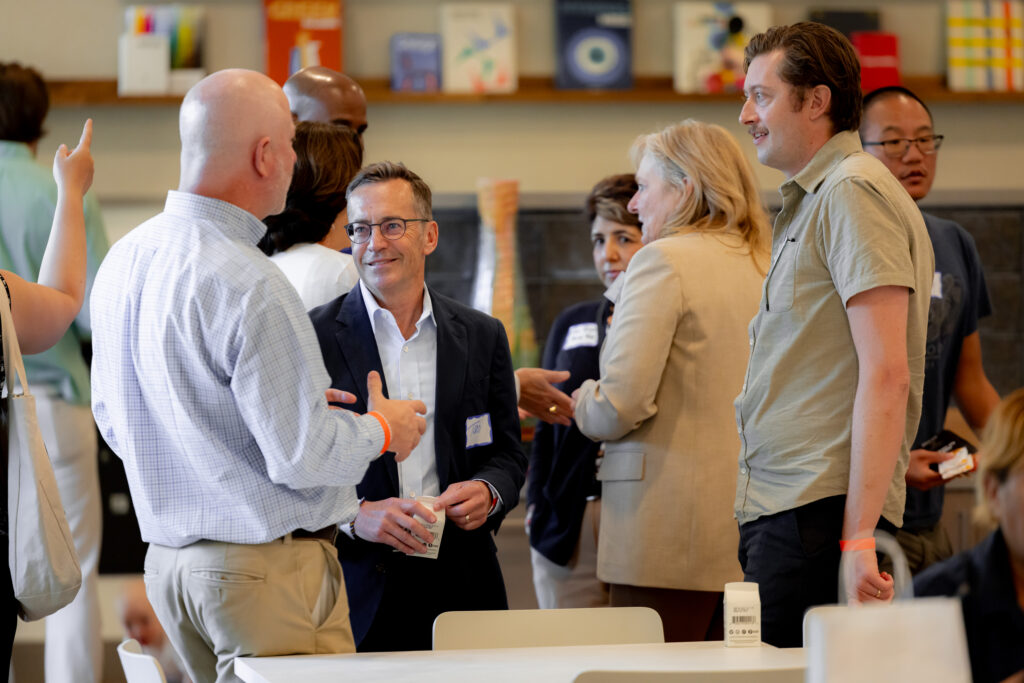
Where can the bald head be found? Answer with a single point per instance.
(236, 141)
(323, 95)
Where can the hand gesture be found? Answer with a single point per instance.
(73, 170)
(466, 504)
(403, 417)
(862, 580)
(919, 474)
(338, 396)
(538, 395)
(392, 523)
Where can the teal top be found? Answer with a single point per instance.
(28, 199)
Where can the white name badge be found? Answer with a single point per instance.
(937, 285)
(580, 334)
(478, 431)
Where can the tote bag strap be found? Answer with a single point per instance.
(13, 363)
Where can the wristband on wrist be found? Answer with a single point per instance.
(857, 544)
(352, 529)
(386, 427)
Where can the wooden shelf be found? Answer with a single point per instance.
(532, 90)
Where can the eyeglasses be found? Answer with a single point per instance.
(392, 229)
(928, 144)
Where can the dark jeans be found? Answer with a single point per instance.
(793, 556)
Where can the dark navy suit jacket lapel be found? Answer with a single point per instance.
(452, 356)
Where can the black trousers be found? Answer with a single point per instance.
(793, 556)
(8, 605)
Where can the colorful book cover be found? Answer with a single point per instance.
(301, 33)
(479, 48)
(594, 44)
(709, 42)
(184, 26)
(416, 62)
(985, 45)
(879, 55)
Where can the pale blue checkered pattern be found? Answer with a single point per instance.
(209, 384)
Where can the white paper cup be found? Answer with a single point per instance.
(436, 528)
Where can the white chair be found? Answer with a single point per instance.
(763, 676)
(541, 627)
(910, 640)
(138, 666)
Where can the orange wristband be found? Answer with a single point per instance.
(857, 544)
(386, 427)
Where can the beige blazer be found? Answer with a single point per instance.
(672, 364)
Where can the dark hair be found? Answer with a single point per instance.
(610, 197)
(327, 156)
(24, 102)
(392, 170)
(815, 54)
(879, 94)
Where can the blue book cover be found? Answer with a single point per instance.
(416, 62)
(594, 44)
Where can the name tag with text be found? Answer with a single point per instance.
(580, 334)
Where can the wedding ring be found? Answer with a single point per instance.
(553, 409)
(467, 519)
(878, 592)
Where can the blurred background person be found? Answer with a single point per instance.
(989, 579)
(671, 366)
(305, 240)
(42, 314)
(140, 622)
(324, 95)
(60, 375)
(563, 494)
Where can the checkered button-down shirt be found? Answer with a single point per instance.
(209, 384)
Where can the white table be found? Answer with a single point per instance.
(532, 664)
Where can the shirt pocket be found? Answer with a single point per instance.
(781, 285)
(624, 465)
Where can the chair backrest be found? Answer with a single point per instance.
(908, 640)
(795, 675)
(540, 627)
(138, 666)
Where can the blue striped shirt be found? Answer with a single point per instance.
(209, 384)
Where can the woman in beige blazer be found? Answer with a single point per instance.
(672, 363)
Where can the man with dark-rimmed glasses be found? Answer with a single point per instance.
(897, 128)
(457, 361)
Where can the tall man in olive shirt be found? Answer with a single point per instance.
(832, 395)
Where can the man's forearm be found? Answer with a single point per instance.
(879, 420)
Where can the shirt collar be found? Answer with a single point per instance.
(372, 308)
(10, 149)
(839, 146)
(232, 220)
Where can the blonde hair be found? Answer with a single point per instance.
(724, 197)
(1003, 450)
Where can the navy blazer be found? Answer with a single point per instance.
(563, 465)
(474, 376)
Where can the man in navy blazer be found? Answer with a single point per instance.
(457, 361)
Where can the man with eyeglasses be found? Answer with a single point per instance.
(457, 361)
(897, 128)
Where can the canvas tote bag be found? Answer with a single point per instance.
(44, 566)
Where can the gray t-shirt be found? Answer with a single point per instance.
(846, 226)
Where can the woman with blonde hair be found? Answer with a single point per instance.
(673, 361)
(989, 579)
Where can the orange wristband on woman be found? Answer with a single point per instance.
(857, 544)
(386, 427)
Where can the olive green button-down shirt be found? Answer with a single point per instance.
(28, 199)
(846, 226)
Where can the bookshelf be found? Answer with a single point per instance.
(532, 89)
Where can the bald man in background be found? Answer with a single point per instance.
(209, 384)
(323, 95)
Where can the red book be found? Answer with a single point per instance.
(879, 58)
(302, 33)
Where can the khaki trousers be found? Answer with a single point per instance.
(218, 601)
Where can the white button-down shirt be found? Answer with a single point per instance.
(410, 370)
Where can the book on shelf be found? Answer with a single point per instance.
(709, 41)
(879, 56)
(847, 22)
(415, 62)
(479, 48)
(301, 33)
(985, 45)
(161, 49)
(594, 45)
